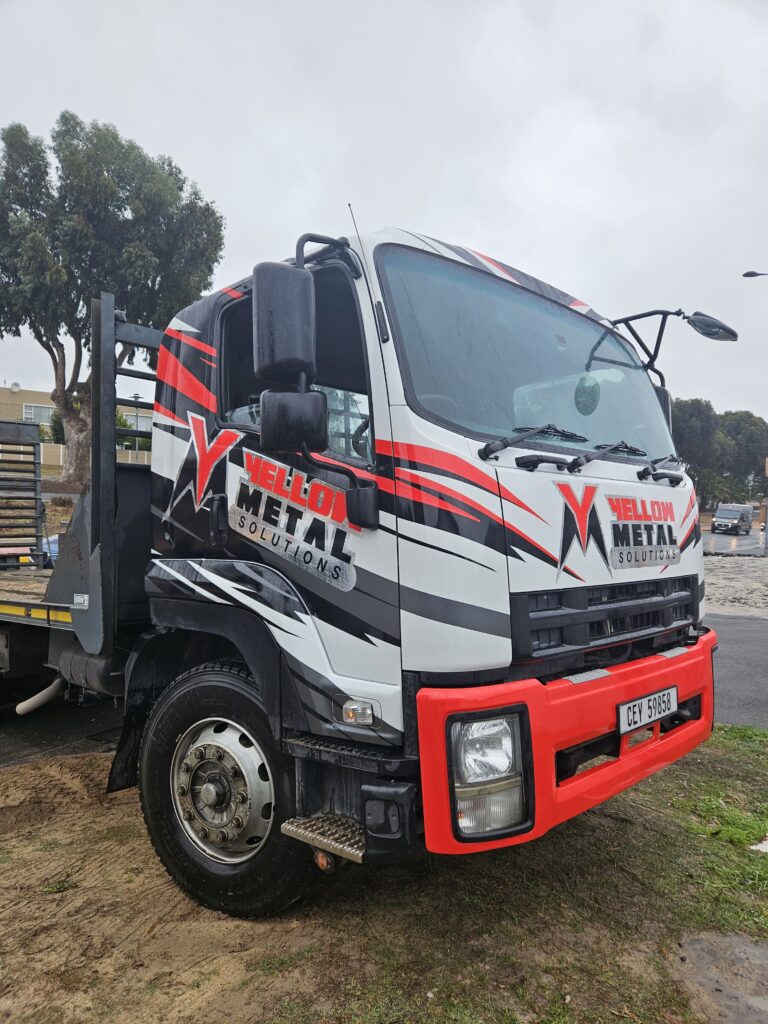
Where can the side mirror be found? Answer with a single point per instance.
(665, 401)
(283, 325)
(363, 504)
(711, 327)
(291, 419)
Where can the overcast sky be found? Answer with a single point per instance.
(617, 150)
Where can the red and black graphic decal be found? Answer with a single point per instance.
(580, 522)
(416, 492)
(692, 536)
(690, 507)
(170, 371)
(208, 454)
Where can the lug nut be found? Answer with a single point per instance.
(221, 836)
(242, 796)
(237, 821)
(234, 772)
(219, 754)
(188, 815)
(204, 833)
(182, 790)
(199, 753)
(186, 767)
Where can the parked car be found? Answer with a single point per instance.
(732, 519)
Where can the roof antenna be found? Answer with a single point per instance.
(362, 250)
(352, 215)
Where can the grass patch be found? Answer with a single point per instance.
(579, 926)
(278, 963)
(60, 885)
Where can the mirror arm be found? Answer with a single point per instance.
(653, 355)
(361, 497)
(592, 357)
(335, 468)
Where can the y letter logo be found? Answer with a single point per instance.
(208, 454)
(580, 522)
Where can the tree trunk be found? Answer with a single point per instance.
(77, 442)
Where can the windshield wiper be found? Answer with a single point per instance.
(653, 470)
(601, 450)
(653, 465)
(506, 442)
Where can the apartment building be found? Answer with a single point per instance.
(31, 406)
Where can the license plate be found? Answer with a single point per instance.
(636, 714)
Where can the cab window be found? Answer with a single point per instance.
(341, 365)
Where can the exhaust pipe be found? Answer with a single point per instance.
(43, 697)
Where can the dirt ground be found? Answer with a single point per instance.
(727, 976)
(582, 926)
(91, 928)
(736, 586)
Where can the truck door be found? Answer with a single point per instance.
(345, 641)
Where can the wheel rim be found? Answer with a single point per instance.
(222, 790)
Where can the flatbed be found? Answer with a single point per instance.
(26, 584)
(23, 599)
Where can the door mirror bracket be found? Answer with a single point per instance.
(362, 497)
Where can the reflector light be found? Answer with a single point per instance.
(358, 712)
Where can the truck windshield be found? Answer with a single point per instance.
(727, 513)
(488, 357)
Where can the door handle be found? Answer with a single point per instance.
(218, 524)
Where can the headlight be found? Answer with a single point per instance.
(486, 749)
(488, 774)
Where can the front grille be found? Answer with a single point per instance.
(621, 592)
(615, 624)
(560, 622)
(546, 639)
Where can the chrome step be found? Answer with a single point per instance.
(330, 832)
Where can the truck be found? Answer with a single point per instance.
(414, 566)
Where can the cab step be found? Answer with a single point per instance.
(330, 832)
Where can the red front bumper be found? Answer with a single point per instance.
(564, 714)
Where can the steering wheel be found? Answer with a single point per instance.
(359, 445)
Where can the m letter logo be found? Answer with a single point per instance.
(580, 522)
(208, 454)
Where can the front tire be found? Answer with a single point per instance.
(214, 790)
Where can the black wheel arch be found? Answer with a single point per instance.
(187, 634)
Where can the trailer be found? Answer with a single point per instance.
(414, 567)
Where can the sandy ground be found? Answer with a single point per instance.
(90, 921)
(737, 586)
(92, 929)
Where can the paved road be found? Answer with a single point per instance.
(732, 544)
(741, 698)
(741, 669)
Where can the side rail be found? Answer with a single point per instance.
(86, 573)
(21, 505)
(109, 331)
